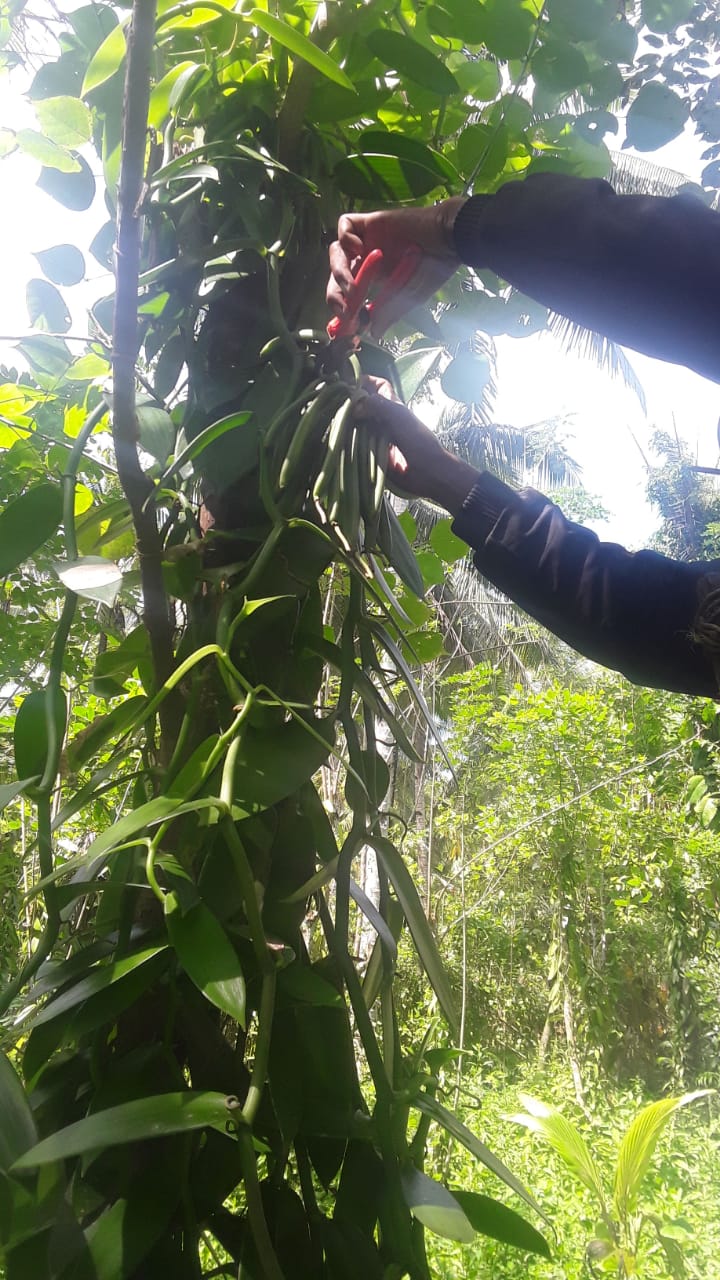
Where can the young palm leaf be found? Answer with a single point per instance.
(638, 1145)
(564, 1139)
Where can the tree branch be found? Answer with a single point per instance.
(136, 486)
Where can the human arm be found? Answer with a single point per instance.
(635, 612)
(642, 270)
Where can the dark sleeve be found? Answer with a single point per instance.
(634, 612)
(642, 270)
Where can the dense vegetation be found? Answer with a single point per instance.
(298, 895)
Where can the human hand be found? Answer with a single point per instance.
(417, 462)
(394, 231)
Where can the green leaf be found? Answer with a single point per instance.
(207, 955)
(272, 763)
(106, 61)
(201, 441)
(440, 1114)
(458, 20)
(153, 1117)
(508, 27)
(8, 142)
(17, 1130)
(466, 377)
(446, 544)
(92, 577)
(146, 815)
(66, 121)
(425, 646)
(157, 431)
(121, 1236)
(564, 1138)
(408, 58)
(159, 108)
(656, 116)
(87, 368)
(491, 1218)
(10, 790)
(666, 15)
(28, 522)
(559, 67)
(431, 568)
(638, 1146)
(89, 741)
(73, 190)
(397, 550)
(369, 176)
(46, 355)
(299, 44)
(30, 739)
(480, 79)
(300, 982)
(46, 307)
(418, 924)
(47, 153)
(98, 979)
(63, 264)
(433, 1205)
(415, 366)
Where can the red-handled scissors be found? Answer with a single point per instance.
(359, 312)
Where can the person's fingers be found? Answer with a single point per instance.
(378, 386)
(351, 238)
(340, 269)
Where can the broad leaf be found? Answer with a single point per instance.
(48, 153)
(413, 60)
(98, 979)
(638, 1145)
(204, 438)
(656, 116)
(440, 1114)
(28, 522)
(299, 44)
(30, 731)
(446, 544)
(46, 307)
(433, 1205)
(415, 366)
(491, 1218)
(64, 120)
(17, 1127)
(73, 190)
(207, 955)
(153, 1117)
(63, 264)
(9, 791)
(418, 924)
(106, 61)
(666, 15)
(466, 377)
(92, 577)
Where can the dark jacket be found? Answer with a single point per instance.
(646, 273)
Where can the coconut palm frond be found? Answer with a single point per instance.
(636, 176)
(481, 625)
(604, 353)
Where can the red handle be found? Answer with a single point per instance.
(344, 325)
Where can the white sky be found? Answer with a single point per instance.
(537, 380)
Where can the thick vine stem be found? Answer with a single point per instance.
(135, 485)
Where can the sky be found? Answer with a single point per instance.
(537, 380)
